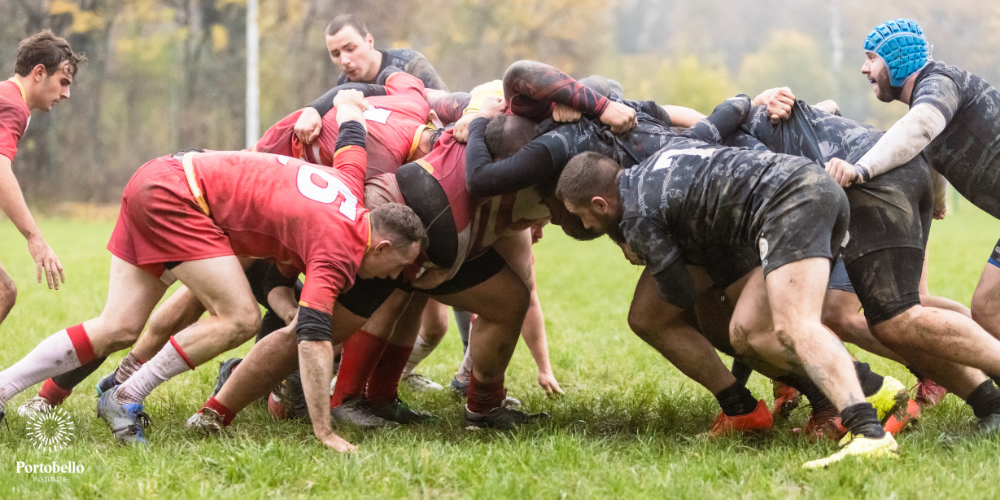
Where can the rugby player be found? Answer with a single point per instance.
(303, 230)
(954, 120)
(43, 72)
(683, 203)
(397, 132)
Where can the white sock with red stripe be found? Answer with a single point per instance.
(421, 349)
(63, 351)
(168, 363)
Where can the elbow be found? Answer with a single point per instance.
(518, 71)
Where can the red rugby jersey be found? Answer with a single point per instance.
(479, 221)
(304, 216)
(14, 117)
(394, 123)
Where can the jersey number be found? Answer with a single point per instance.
(328, 194)
(380, 115)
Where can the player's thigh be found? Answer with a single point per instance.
(382, 321)
(407, 326)
(434, 321)
(501, 298)
(221, 284)
(796, 291)
(986, 299)
(752, 313)
(132, 295)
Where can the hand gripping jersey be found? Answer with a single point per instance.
(305, 217)
(14, 117)
(395, 122)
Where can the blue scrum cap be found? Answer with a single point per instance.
(901, 44)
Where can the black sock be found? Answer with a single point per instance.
(67, 381)
(862, 420)
(736, 400)
(805, 385)
(871, 382)
(741, 371)
(984, 399)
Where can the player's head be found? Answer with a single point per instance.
(397, 238)
(895, 50)
(571, 224)
(507, 134)
(352, 47)
(47, 65)
(588, 186)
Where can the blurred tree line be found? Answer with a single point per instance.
(166, 75)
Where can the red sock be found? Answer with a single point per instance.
(54, 394)
(383, 385)
(227, 414)
(81, 343)
(483, 396)
(361, 353)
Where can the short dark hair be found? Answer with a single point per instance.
(507, 134)
(47, 49)
(344, 20)
(400, 224)
(587, 175)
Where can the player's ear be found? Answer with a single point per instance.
(38, 72)
(370, 41)
(600, 204)
(383, 246)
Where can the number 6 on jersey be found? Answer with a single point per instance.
(329, 193)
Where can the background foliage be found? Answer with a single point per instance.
(166, 75)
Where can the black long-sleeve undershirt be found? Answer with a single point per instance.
(484, 177)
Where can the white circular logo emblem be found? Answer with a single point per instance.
(51, 430)
(763, 249)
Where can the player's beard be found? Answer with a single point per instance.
(886, 92)
(573, 226)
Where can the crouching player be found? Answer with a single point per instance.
(674, 207)
(187, 218)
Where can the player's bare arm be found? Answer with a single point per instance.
(12, 203)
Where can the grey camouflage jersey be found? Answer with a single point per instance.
(691, 196)
(967, 152)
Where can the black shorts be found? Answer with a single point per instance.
(839, 280)
(261, 275)
(366, 295)
(995, 256)
(725, 264)
(473, 272)
(890, 220)
(806, 218)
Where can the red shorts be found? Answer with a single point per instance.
(160, 221)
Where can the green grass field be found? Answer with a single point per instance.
(628, 426)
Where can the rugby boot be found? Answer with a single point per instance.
(34, 407)
(419, 383)
(760, 419)
(786, 400)
(459, 387)
(127, 421)
(890, 399)
(501, 418)
(823, 423)
(353, 411)
(929, 393)
(207, 421)
(106, 384)
(902, 419)
(862, 447)
(398, 411)
(225, 371)
(276, 406)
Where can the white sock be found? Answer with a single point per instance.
(167, 364)
(127, 367)
(421, 349)
(54, 356)
(464, 374)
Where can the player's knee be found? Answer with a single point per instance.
(8, 293)
(642, 323)
(245, 325)
(840, 322)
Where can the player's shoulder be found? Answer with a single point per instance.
(12, 104)
(406, 55)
